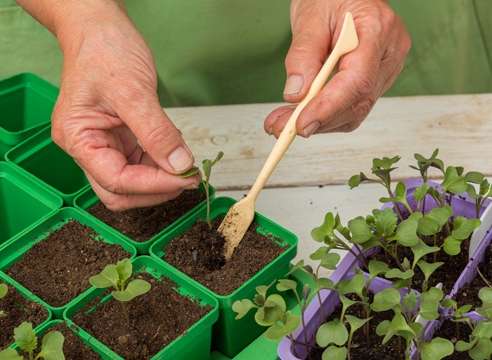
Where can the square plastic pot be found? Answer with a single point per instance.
(23, 202)
(26, 103)
(46, 163)
(17, 247)
(230, 335)
(30, 297)
(195, 343)
(87, 199)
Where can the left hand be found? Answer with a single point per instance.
(363, 75)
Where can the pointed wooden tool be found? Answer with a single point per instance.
(240, 216)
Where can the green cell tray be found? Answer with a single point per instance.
(226, 339)
(87, 198)
(18, 246)
(194, 344)
(45, 162)
(23, 202)
(26, 103)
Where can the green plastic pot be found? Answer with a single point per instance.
(194, 344)
(26, 103)
(27, 295)
(45, 162)
(17, 247)
(87, 199)
(23, 202)
(230, 335)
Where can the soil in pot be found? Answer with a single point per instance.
(199, 253)
(142, 327)
(367, 346)
(454, 332)
(58, 268)
(73, 347)
(142, 224)
(469, 293)
(17, 310)
(447, 273)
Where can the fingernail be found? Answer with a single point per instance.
(293, 85)
(191, 186)
(180, 159)
(310, 129)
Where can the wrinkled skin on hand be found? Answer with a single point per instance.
(363, 75)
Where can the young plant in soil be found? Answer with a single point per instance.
(3, 293)
(27, 342)
(205, 174)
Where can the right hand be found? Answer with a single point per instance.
(108, 116)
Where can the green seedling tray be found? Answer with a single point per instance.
(23, 202)
(17, 247)
(26, 103)
(230, 335)
(87, 198)
(195, 343)
(29, 296)
(45, 162)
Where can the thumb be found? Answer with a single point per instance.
(308, 51)
(157, 135)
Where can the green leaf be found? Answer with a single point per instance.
(406, 234)
(485, 188)
(272, 311)
(108, 277)
(330, 261)
(385, 163)
(10, 354)
(134, 288)
(453, 182)
(483, 329)
(398, 274)
(463, 227)
(377, 267)
(452, 246)
(25, 338)
(289, 323)
(409, 302)
(385, 222)
(286, 284)
(422, 249)
(332, 332)
(437, 349)
(485, 295)
(242, 307)
(421, 191)
(355, 285)
(333, 352)
(319, 253)
(124, 268)
(361, 232)
(398, 326)
(355, 323)
(3, 290)
(400, 191)
(429, 303)
(465, 346)
(432, 222)
(482, 350)
(52, 346)
(356, 180)
(386, 299)
(474, 177)
(383, 327)
(428, 268)
(324, 283)
(326, 229)
(190, 173)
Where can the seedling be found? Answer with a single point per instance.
(205, 174)
(27, 343)
(3, 293)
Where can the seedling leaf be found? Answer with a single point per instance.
(242, 307)
(52, 346)
(333, 352)
(108, 277)
(437, 349)
(406, 233)
(385, 300)
(355, 322)
(3, 290)
(134, 288)
(332, 332)
(25, 338)
(429, 303)
(10, 354)
(361, 232)
(286, 284)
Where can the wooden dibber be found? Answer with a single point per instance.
(240, 216)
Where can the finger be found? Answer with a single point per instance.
(141, 112)
(275, 115)
(307, 52)
(118, 202)
(97, 153)
(353, 87)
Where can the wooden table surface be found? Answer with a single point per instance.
(311, 178)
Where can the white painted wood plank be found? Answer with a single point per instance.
(459, 125)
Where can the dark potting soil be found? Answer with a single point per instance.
(447, 273)
(58, 268)
(469, 293)
(17, 310)
(199, 253)
(141, 224)
(454, 332)
(154, 320)
(368, 347)
(73, 347)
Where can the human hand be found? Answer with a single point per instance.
(364, 74)
(108, 116)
